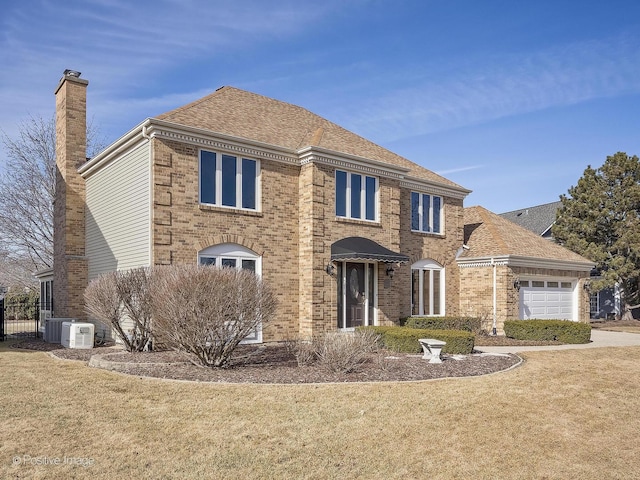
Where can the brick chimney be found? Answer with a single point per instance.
(69, 261)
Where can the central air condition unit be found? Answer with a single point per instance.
(53, 328)
(77, 335)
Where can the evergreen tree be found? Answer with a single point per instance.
(599, 219)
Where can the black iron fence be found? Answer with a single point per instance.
(19, 318)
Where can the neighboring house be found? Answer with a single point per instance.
(539, 219)
(346, 232)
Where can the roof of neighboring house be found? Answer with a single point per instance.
(487, 235)
(538, 219)
(239, 113)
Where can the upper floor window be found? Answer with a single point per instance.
(356, 196)
(426, 213)
(228, 181)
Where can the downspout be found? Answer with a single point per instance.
(495, 296)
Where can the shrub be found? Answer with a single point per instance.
(564, 331)
(404, 339)
(469, 324)
(21, 305)
(207, 311)
(302, 350)
(342, 352)
(122, 300)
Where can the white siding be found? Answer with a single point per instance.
(118, 214)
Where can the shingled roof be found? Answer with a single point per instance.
(490, 235)
(538, 219)
(239, 113)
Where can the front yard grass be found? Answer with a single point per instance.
(563, 414)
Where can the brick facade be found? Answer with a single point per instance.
(293, 232)
(476, 298)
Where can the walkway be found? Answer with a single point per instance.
(599, 339)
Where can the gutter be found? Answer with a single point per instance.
(495, 297)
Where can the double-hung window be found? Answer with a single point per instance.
(356, 196)
(426, 213)
(229, 181)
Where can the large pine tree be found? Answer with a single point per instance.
(599, 219)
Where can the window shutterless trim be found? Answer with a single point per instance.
(365, 195)
(220, 190)
(430, 217)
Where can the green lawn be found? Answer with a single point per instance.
(566, 414)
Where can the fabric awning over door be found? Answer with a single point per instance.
(363, 249)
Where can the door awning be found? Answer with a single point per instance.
(363, 249)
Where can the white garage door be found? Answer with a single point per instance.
(546, 299)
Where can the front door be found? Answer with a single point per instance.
(356, 294)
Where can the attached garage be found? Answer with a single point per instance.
(508, 272)
(548, 299)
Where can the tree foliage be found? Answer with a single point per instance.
(27, 191)
(599, 219)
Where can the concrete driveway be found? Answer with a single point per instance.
(599, 339)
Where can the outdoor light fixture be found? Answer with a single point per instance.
(587, 285)
(390, 271)
(516, 284)
(330, 269)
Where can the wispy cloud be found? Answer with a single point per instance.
(449, 171)
(503, 86)
(121, 46)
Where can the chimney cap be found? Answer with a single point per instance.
(72, 73)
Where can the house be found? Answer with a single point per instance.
(539, 219)
(346, 232)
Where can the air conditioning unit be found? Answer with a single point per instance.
(53, 328)
(77, 335)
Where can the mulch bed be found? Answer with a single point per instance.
(269, 364)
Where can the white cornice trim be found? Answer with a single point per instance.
(206, 138)
(314, 154)
(425, 186)
(525, 262)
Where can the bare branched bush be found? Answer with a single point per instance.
(303, 351)
(208, 311)
(345, 352)
(122, 300)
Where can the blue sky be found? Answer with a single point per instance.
(511, 99)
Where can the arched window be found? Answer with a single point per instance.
(231, 255)
(427, 288)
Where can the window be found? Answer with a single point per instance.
(228, 181)
(426, 213)
(230, 255)
(427, 288)
(46, 295)
(356, 196)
